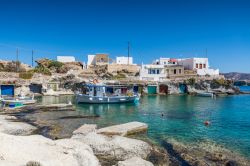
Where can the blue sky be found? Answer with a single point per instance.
(155, 28)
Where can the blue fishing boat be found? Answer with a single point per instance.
(105, 94)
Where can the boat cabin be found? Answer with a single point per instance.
(107, 90)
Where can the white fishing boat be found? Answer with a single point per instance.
(17, 101)
(27, 100)
(105, 94)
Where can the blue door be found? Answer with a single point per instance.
(7, 90)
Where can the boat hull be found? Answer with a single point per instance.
(80, 98)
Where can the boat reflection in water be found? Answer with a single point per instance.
(105, 94)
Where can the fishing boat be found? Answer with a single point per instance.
(17, 101)
(26, 100)
(105, 94)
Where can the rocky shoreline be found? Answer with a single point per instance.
(91, 146)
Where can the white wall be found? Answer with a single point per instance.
(90, 59)
(124, 60)
(65, 59)
(164, 61)
(190, 63)
(211, 72)
(145, 75)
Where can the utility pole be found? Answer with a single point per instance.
(32, 58)
(128, 51)
(17, 60)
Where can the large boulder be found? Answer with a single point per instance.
(134, 161)
(85, 129)
(14, 128)
(124, 129)
(20, 150)
(115, 148)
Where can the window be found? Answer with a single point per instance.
(158, 71)
(200, 66)
(204, 66)
(197, 65)
(174, 71)
(179, 71)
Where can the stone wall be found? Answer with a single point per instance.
(120, 67)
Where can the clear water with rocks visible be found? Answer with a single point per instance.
(178, 117)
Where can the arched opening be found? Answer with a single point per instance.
(163, 89)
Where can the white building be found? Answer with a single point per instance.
(90, 59)
(152, 72)
(167, 61)
(98, 59)
(65, 59)
(122, 60)
(200, 65)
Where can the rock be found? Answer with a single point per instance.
(85, 129)
(55, 106)
(19, 150)
(23, 90)
(116, 147)
(203, 154)
(124, 129)
(135, 161)
(231, 163)
(15, 128)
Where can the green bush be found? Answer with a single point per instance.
(55, 64)
(119, 76)
(216, 83)
(26, 75)
(42, 70)
(190, 81)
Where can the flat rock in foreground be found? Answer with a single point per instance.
(15, 128)
(19, 150)
(134, 161)
(124, 129)
(115, 148)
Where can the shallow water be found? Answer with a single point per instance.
(178, 117)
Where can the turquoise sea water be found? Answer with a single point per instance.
(178, 117)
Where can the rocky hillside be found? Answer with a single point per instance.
(237, 76)
(52, 66)
(13, 66)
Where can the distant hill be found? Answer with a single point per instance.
(237, 76)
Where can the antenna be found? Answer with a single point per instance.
(16, 59)
(206, 52)
(128, 51)
(32, 58)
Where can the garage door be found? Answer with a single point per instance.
(152, 89)
(7, 90)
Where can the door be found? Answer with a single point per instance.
(152, 89)
(7, 90)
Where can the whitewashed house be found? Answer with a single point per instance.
(122, 60)
(152, 72)
(65, 59)
(98, 59)
(167, 61)
(200, 65)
